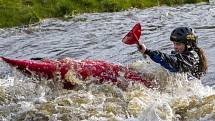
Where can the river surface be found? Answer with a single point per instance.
(98, 36)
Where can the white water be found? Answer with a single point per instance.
(177, 99)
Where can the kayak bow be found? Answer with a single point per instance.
(83, 69)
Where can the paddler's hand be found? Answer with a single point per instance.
(141, 48)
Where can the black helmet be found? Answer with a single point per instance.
(184, 35)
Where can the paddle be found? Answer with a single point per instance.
(133, 37)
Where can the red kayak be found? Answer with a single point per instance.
(102, 71)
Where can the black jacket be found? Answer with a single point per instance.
(187, 61)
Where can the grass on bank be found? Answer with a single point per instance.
(23, 12)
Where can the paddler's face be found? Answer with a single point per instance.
(179, 47)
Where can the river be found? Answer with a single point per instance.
(98, 36)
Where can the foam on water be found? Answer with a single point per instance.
(177, 99)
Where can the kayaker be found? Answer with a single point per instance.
(186, 57)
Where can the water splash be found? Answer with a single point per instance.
(178, 99)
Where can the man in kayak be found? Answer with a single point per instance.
(187, 56)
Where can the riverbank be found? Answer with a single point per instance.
(24, 12)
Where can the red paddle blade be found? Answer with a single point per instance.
(133, 36)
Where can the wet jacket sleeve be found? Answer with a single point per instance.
(174, 62)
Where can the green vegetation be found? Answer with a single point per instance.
(22, 12)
